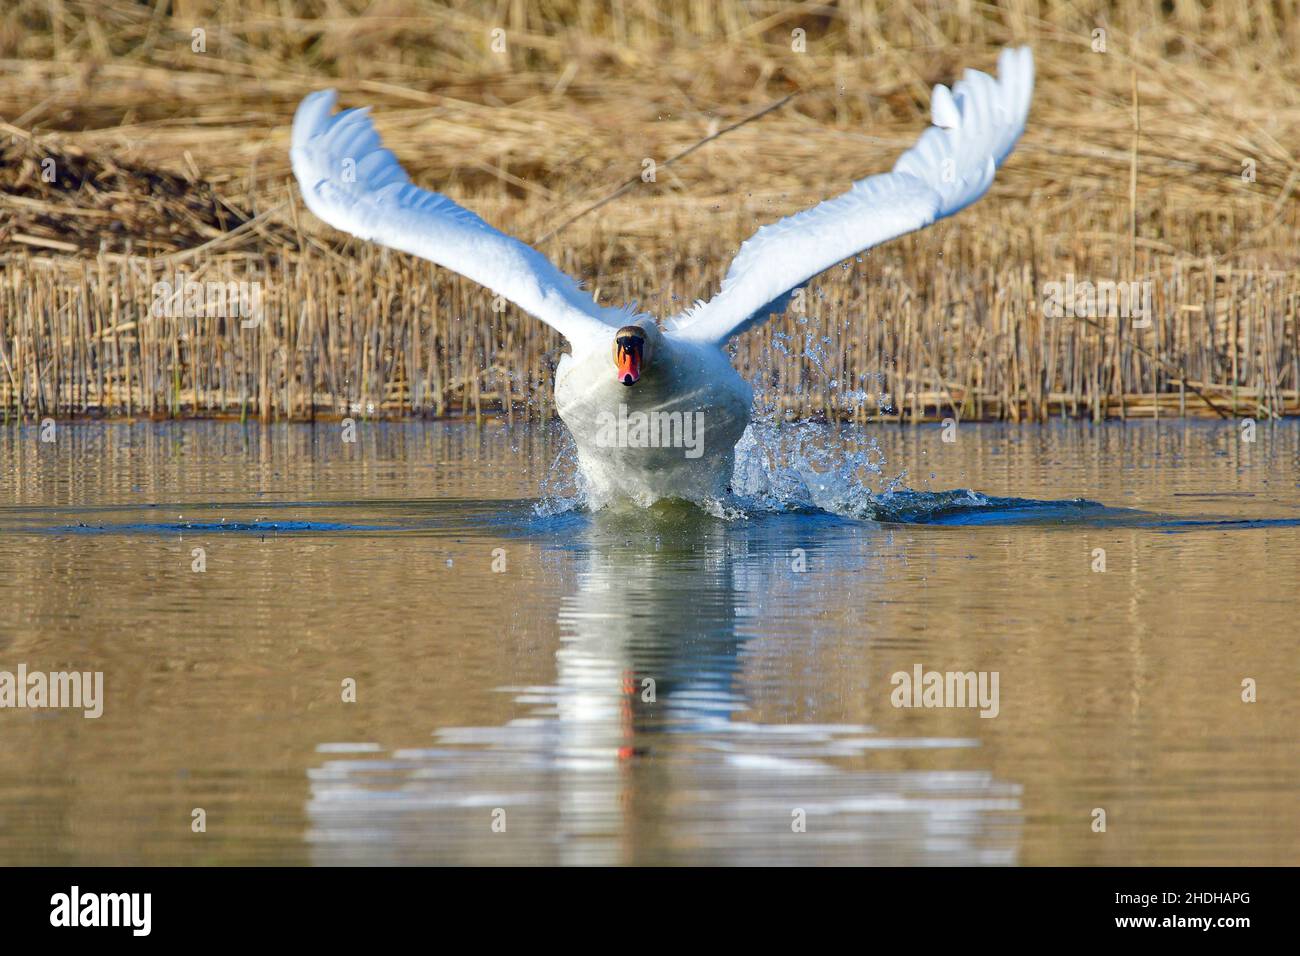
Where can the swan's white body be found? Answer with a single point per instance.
(353, 183)
(691, 403)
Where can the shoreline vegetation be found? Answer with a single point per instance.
(132, 162)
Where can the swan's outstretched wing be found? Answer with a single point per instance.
(354, 184)
(975, 127)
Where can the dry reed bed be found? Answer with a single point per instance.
(946, 322)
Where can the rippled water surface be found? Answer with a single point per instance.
(667, 686)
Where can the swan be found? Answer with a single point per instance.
(655, 411)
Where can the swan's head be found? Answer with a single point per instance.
(633, 349)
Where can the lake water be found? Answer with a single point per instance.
(539, 684)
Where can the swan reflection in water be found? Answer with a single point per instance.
(645, 750)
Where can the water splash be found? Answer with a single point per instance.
(807, 466)
(565, 488)
(799, 467)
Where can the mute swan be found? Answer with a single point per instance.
(656, 412)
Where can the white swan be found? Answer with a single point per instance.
(656, 413)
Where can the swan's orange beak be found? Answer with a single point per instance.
(627, 357)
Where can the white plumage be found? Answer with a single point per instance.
(354, 184)
(349, 180)
(951, 165)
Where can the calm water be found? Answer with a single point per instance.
(769, 630)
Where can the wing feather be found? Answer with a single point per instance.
(976, 125)
(356, 185)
